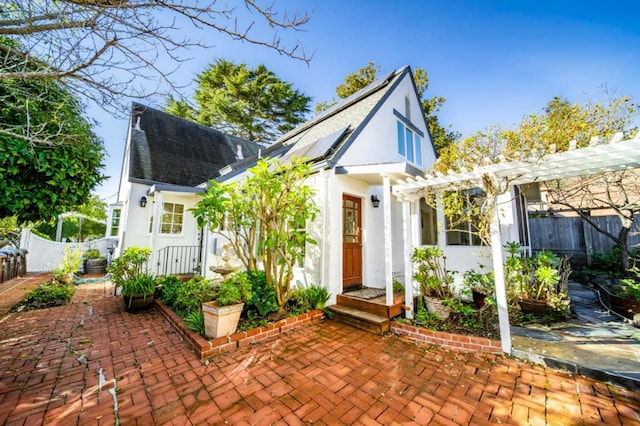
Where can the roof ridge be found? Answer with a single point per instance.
(342, 105)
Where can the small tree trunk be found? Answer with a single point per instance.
(624, 248)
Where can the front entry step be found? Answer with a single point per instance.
(363, 320)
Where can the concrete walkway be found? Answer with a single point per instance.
(92, 363)
(593, 343)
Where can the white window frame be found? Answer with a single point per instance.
(111, 221)
(170, 215)
(409, 139)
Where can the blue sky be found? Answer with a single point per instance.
(494, 61)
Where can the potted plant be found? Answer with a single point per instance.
(71, 261)
(434, 279)
(94, 262)
(138, 292)
(479, 285)
(221, 316)
(125, 271)
(540, 281)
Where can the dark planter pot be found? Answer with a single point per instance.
(95, 266)
(628, 308)
(137, 302)
(531, 306)
(478, 298)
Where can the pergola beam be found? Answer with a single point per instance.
(617, 155)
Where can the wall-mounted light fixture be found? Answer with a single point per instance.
(375, 201)
(143, 201)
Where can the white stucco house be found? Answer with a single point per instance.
(165, 158)
(359, 149)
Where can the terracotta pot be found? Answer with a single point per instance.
(137, 302)
(220, 320)
(437, 307)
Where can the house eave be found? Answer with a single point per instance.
(373, 174)
(163, 187)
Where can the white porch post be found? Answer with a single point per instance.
(498, 272)
(388, 264)
(155, 230)
(407, 236)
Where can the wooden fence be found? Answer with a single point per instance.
(575, 237)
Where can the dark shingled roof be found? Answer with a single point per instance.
(169, 149)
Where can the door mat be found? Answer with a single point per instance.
(367, 293)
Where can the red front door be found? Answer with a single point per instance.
(351, 242)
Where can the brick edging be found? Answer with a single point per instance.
(208, 348)
(447, 340)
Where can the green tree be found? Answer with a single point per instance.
(264, 217)
(40, 181)
(440, 136)
(109, 50)
(88, 224)
(250, 103)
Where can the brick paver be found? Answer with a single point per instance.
(92, 363)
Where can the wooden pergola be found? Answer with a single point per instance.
(599, 157)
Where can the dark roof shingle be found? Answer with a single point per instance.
(168, 149)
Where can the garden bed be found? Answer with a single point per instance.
(447, 340)
(629, 308)
(209, 348)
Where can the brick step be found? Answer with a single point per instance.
(372, 323)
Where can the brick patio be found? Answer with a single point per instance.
(76, 364)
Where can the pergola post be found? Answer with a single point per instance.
(407, 237)
(498, 273)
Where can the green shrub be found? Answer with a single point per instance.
(195, 321)
(141, 284)
(630, 287)
(263, 298)
(190, 296)
(610, 261)
(92, 254)
(235, 289)
(248, 324)
(48, 294)
(317, 296)
(168, 286)
(298, 302)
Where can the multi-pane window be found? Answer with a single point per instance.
(462, 230)
(115, 223)
(409, 144)
(171, 219)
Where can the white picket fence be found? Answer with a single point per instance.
(43, 255)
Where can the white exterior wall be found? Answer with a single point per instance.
(378, 142)
(136, 219)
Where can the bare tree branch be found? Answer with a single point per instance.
(104, 50)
